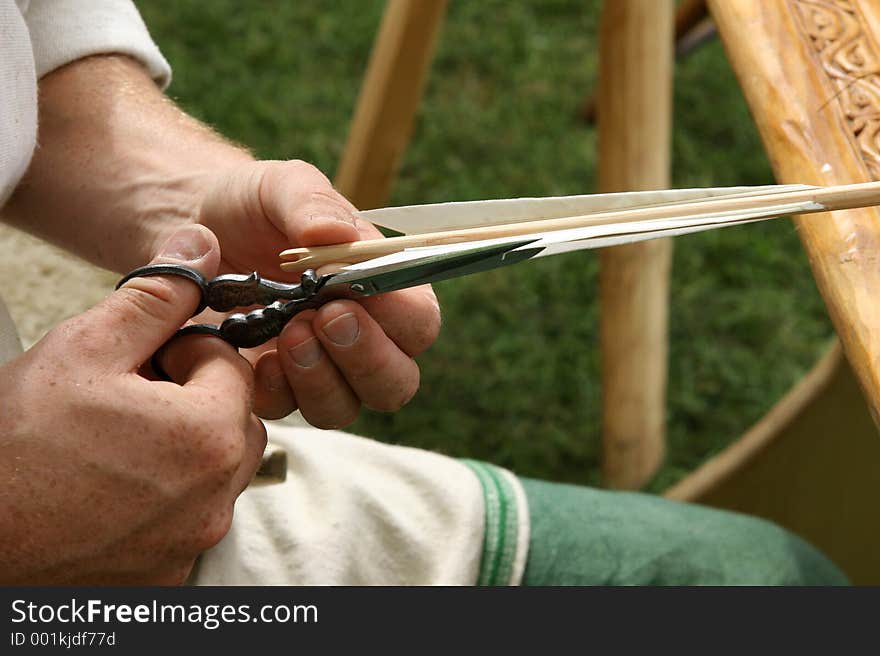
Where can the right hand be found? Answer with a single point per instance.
(348, 353)
(109, 477)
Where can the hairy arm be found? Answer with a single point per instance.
(118, 165)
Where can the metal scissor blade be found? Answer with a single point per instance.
(432, 268)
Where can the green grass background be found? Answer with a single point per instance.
(513, 378)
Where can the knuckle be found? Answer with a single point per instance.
(220, 448)
(276, 409)
(398, 396)
(385, 405)
(302, 168)
(316, 186)
(228, 454)
(213, 529)
(323, 197)
(338, 418)
(237, 399)
(346, 419)
(261, 433)
(246, 372)
(150, 296)
(424, 335)
(426, 329)
(176, 576)
(372, 365)
(306, 174)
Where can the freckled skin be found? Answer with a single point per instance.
(113, 478)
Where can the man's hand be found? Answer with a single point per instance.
(109, 477)
(113, 206)
(331, 361)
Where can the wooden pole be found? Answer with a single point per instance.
(388, 101)
(691, 30)
(635, 117)
(811, 75)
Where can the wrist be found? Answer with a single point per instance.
(168, 200)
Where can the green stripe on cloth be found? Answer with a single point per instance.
(502, 525)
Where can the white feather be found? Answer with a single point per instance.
(598, 236)
(418, 219)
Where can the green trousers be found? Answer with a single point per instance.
(584, 536)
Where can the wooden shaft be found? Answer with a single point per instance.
(389, 99)
(809, 71)
(635, 118)
(689, 16)
(777, 204)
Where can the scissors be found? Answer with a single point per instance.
(282, 301)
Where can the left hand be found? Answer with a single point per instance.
(347, 353)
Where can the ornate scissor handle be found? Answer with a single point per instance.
(242, 330)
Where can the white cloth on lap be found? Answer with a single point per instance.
(355, 511)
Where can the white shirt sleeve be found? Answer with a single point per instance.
(62, 31)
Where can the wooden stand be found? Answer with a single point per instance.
(813, 463)
(389, 99)
(693, 26)
(635, 123)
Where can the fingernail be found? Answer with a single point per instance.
(187, 244)
(342, 218)
(342, 330)
(307, 354)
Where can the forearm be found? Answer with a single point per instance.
(117, 166)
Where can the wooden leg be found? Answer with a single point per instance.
(809, 71)
(693, 27)
(390, 95)
(635, 110)
(811, 465)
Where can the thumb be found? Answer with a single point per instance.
(135, 320)
(301, 202)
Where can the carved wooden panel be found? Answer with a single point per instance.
(848, 54)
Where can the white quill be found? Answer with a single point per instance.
(566, 223)
(419, 219)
